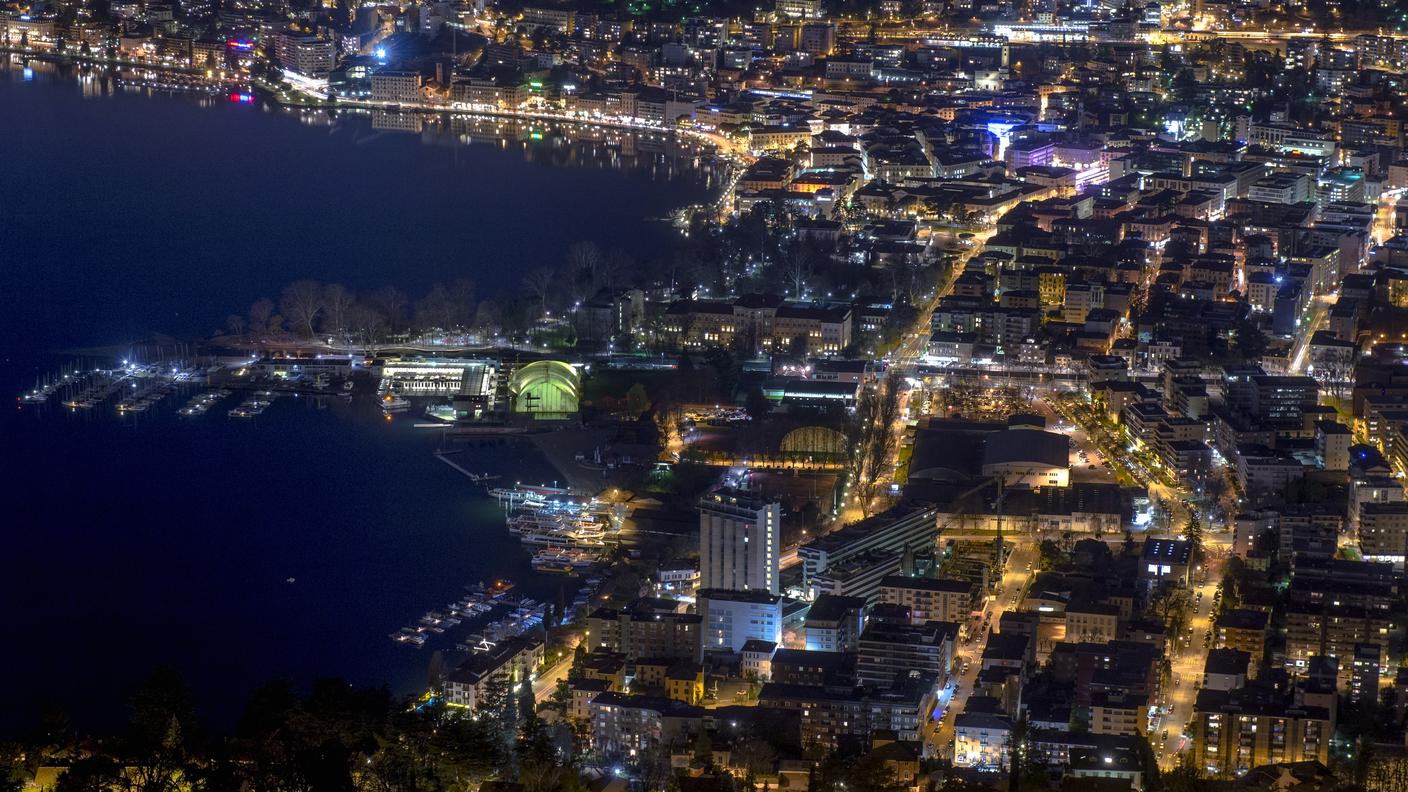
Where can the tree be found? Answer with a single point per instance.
(757, 405)
(461, 291)
(534, 745)
(436, 309)
(579, 662)
(337, 301)
(261, 314)
(540, 282)
(584, 260)
(873, 435)
(615, 270)
(391, 303)
(1051, 556)
(1231, 585)
(487, 315)
(1387, 774)
(97, 773)
(704, 749)
(1184, 777)
(668, 416)
(799, 268)
(1193, 532)
(301, 302)
(12, 770)
(637, 401)
(1251, 342)
(365, 323)
(498, 710)
(163, 719)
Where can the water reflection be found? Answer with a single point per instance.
(657, 155)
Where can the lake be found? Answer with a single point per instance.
(128, 543)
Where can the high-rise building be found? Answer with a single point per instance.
(1236, 730)
(304, 53)
(738, 542)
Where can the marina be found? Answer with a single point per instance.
(517, 614)
(565, 534)
(201, 403)
(136, 386)
(146, 394)
(255, 405)
(71, 376)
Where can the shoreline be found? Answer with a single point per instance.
(716, 141)
(560, 447)
(733, 154)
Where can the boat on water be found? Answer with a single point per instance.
(250, 409)
(575, 559)
(522, 491)
(409, 635)
(481, 599)
(391, 403)
(201, 404)
(441, 412)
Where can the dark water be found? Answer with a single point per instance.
(126, 543)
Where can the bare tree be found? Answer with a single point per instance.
(236, 324)
(874, 436)
(618, 270)
(462, 296)
(337, 300)
(365, 322)
(540, 282)
(799, 268)
(392, 303)
(487, 315)
(301, 302)
(583, 260)
(259, 315)
(436, 309)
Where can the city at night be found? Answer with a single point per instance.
(704, 396)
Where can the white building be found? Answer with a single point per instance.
(738, 542)
(511, 661)
(756, 660)
(304, 53)
(396, 87)
(439, 376)
(730, 619)
(980, 740)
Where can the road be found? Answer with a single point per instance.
(546, 683)
(1300, 347)
(1188, 657)
(913, 346)
(902, 359)
(938, 734)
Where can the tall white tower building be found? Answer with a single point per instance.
(738, 542)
